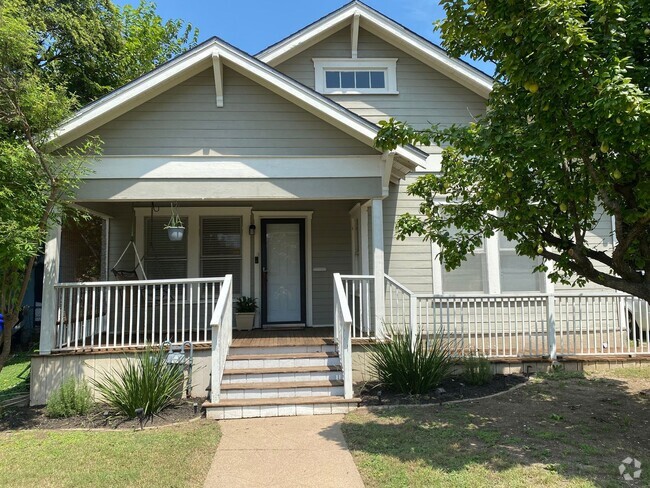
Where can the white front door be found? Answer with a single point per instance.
(283, 271)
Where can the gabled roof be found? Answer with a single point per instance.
(388, 30)
(201, 58)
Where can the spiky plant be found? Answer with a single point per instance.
(411, 367)
(146, 382)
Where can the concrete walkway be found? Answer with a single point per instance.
(283, 452)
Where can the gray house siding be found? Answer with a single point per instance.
(185, 121)
(425, 96)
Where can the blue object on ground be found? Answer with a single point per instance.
(2, 323)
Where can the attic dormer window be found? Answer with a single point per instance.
(356, 76)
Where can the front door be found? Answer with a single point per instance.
(283, 271)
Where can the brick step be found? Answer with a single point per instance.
(291, 392)
(279, 407)
(281, 384)
(279, 370)
(237, 349)
(263, 362)
(325, 374)
(282, 355)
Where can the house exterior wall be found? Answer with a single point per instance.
(425, 96)
(185, 121)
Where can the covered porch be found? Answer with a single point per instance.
(284, 254)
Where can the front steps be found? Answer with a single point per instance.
(281, 380)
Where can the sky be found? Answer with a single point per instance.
(252, 25)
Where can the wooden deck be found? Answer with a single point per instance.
(312, 336)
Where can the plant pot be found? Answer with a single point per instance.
(175, 233)
(245, 321)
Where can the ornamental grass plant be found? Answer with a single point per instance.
(146, 382)
(413, 367)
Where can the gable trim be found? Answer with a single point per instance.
(201, 58)
(390, 31)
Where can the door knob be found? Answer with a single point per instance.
(265, 269)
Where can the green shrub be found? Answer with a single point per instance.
(146, 382)
(72, 398)
(411, 367)
(477, 370)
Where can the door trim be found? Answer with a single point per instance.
(303, 280)
(257, 266)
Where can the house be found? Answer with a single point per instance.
(270, 164)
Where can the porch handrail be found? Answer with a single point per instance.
(343, 333)
(91, 284)
(221, 324)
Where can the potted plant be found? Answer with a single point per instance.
(245, 308)
(175, 227)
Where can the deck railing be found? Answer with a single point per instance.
(123, 314)
(221, 322)
(343, 326)
(535, 325)
(601, 324)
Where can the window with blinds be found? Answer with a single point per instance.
(221, 248)
(164, 259)
(517, 271)
(469, 276)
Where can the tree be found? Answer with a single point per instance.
(55, 55)
(563, 142)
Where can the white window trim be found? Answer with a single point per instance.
(193, 215)
(388, 65)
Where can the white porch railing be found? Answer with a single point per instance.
(123, 314)
(221, 322)
(359, 296)
(535, 325)
(601, 324)
(343, 326)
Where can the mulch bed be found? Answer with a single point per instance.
(452, 389)
(17, 418)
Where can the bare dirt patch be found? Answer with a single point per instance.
(561, 429)
(19, 418)
(373, 394)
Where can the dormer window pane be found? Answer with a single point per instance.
(377, 79)
(347, 79)
(333, 79)
(363, 79)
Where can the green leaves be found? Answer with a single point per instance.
(562, 146)
(146, 382)
(412, 367)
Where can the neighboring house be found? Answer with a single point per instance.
(269, 161)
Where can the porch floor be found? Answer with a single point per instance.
(312, 336)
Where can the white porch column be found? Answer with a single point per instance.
(363, 245)
(378, 264)
(50, 278)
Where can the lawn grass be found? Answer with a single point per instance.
(174, 456)
(560, 430)
(14, 377)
